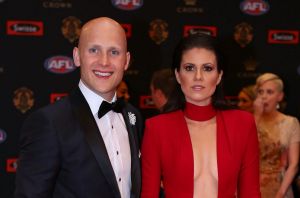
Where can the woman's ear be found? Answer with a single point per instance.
(177, 76)
(220, 77)
(281, 96)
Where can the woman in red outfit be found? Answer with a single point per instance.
(200, 149)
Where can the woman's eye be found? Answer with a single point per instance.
(189, 67)
(208, 67)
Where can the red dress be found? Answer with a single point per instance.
(167, 153)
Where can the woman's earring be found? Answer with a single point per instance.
(277, 106)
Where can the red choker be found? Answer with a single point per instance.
(199, 113)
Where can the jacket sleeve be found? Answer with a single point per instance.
(150, 162)
(38, 162)
(248, 184)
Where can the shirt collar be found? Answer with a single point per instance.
(94, 100)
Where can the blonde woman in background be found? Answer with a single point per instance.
(279, 137)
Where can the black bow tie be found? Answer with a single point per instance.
(106, 107)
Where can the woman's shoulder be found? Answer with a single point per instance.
(166, 117)
(236, 114)
(288, 118)
(290, 121)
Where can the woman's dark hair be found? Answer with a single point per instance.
(201, 40)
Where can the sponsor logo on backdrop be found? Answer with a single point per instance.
(128, 29)
(25, 28)
(231, 100)
(254, 7)
(127, 4)
(57, 96)
(3, 136)
(71, 27)
(23, 99)
(190, 6)
(59, 64)
(243, 34)
(132, 72)
(146, 102)
(158, 31)
(250, 66)
(283, 36)
(11, 165)
(57, 4)
(196, 29)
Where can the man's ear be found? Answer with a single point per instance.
(127, 61)
(76, 57)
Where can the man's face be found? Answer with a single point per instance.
(103, 57)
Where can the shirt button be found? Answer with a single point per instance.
(119, 179)
(117, 152)
(112, 126)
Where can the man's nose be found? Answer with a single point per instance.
(103, 59)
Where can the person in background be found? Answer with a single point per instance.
(200, 148)
(79, 147)
(246, 98)
(162, 84)
(279, 137)
(122, 91)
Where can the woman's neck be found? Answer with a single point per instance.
(199, 113)
(270, 117)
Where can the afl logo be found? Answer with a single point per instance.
(127, 4)
(59, 64)
(2, 136)
(254, 7)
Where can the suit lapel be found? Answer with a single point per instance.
(134, 149)
(93, 137)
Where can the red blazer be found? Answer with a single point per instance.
(167, 153)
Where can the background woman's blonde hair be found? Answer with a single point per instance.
(269, 77)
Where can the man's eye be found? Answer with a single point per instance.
(93, 50)
(115, 52)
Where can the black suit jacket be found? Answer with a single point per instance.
(63, 154)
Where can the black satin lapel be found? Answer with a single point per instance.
(135, 154)
(93, 137)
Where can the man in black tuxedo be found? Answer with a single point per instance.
(70, 149)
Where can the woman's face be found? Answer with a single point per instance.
(198, 75)
(122, 91)
(245, 102)
(270, 95)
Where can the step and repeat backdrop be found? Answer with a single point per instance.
(37, 38)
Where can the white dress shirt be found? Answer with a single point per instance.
(115, 136)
